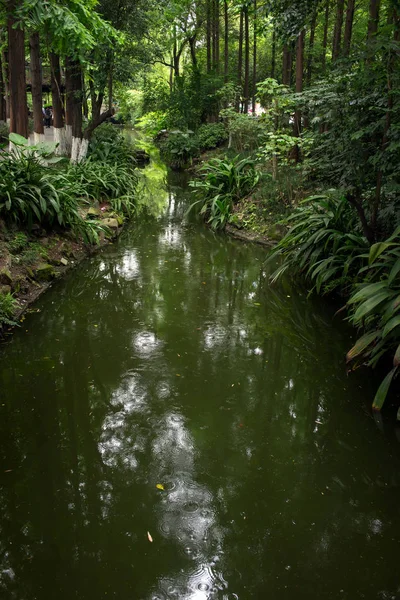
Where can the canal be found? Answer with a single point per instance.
(173, 427)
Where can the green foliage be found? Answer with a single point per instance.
(108, 145)
(375, 307)
(211, 135)
(4, 131)
(152, 123)
(8, 307)
(323, 244)
(18, 242)
(178, 148)
(245, 132)
(223, 183)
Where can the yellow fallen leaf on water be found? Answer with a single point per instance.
(256, 304)
(149, 536)
(159, 486)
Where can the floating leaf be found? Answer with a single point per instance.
(160, 486)
(149, 537)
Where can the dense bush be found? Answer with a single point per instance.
(245, 132)
(223, 183)
(375, 307)
(323, 244)
(8, 306)
(178, 148)
(211, 135)
(33, 190)
(152, 123)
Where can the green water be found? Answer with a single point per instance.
(168, 359)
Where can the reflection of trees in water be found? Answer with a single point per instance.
(169, 360)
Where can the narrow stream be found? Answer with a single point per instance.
(168, 360)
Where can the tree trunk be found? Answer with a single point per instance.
(3, 115)
(311, 44)
(76, 96)
(273, 54)
(286, 65)
(17, 79)
(69, 105)
(217, 33)
(325, 38)
(253, 100)
(246, 60)
(388, 120)
(36, 77)
(226, 42)
(4, 71)
(337, 34)
(299, 87)
(58, 118)
(373, 22)
(348, 30)
(209, 36)
(240, 54)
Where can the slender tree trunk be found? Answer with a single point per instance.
(299, 87)
(192, 45)
(393, 18)
(348, 30)
(226, 42)
(36, 77)
(4, 70)
(373, 21)
(325, 38)
(240, 55)
(17, 79)
(286, 65)
(76, 95)
(3, 116)
(273, 54)
(69, 105)
(246, 60)
(85, 106)
(337, 34)
(58, 118)
(209, 3)
(311, 44)
(213, 36)
(253, 100)
(217, 34)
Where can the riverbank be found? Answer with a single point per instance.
(30, 261)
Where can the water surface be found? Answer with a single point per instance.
(168, 360)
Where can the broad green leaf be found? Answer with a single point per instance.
(382, 392)
(361, 344)
(18, 140)
(367, 291)
(390, 325)
(377, 249)
(396, 359)
(394, 272)
(368, 306)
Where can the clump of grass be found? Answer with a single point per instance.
(8, 308)
(18, 243)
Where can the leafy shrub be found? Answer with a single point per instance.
(152, 123)
(211, 135)
(323, 243)
(179, 148)
(245, 132)
(19, 242)
(4, 131)
(8, 307)
(223, 183)
(109, 145)
(375, 306)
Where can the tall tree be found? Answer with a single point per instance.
(348, 30)
(3, 104)
(226, 41)
(311, 42)
(299, 87)
(337, 33)
(373, 21)
(253, 100)
(246, 87)
(36, 80)
(325, 36)
(16, 71)
(57, 101)
(240, 52)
